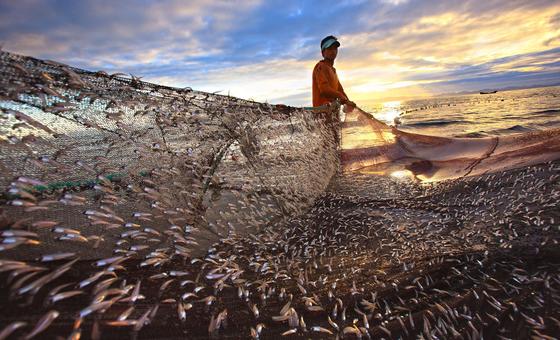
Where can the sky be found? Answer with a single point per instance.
(266, 50)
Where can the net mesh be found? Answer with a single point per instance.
(129, 151)
(137, 210)
(370, 146)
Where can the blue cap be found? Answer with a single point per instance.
(329, 42)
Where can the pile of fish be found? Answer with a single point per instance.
(135, 210)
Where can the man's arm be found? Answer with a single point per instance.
(341, 90)
(326, 90)
(348, 101)
(329, 92)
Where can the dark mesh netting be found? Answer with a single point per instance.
(136, 210)
(127, 155)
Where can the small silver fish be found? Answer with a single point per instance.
(43, 323)
(56, 257)
(65, 295)
(12, 327)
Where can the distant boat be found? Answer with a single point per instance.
(488, 92)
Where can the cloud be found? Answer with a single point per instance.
(118, 33)
(266, 50)
(272, 81)
(451, 46)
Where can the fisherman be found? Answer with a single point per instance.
(326, 86)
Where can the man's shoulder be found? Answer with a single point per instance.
(316, 67)
(320, 66)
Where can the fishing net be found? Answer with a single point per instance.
(370, 146)
(128, 151)
(137, 210)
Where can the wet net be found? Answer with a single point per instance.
(137, 210)
(129, 151)
(370, 146)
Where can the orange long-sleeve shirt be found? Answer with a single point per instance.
(325, 78)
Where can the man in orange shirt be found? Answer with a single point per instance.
(326, 87)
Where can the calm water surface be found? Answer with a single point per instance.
(476, 115)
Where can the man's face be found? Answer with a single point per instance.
(330, 53)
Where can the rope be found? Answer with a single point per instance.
(477, 161)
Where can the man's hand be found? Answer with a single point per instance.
(351, 105)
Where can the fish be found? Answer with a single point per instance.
(321, 330)
(86, 282)
(27, 119)
(36, 285)
(143, 320)
(290, 332)
(65, 295)
(10, 328)
(122, 323)
(56, 257)
(44, 224)
(181, 311)
(44, 322)
(95, 307)
(255, 310)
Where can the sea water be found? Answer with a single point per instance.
(475, 115)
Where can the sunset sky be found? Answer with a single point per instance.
(266, 50)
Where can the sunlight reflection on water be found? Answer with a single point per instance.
(390, 112)
(474, 115)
